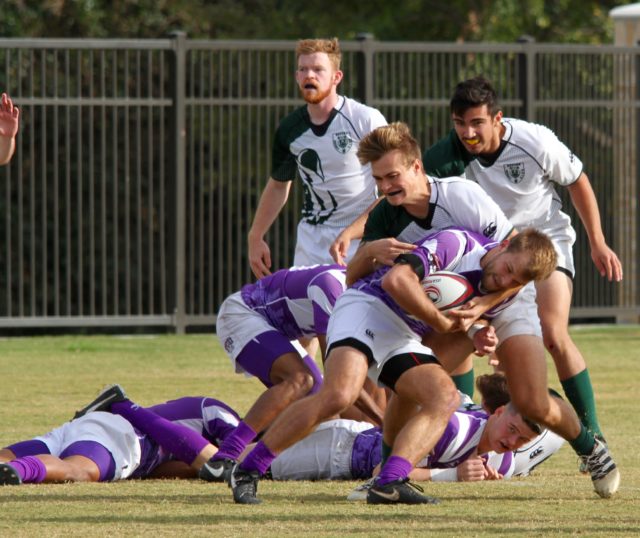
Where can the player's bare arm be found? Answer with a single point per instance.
(373, 254)
(584, 200)
(470, 312)
(403, 285)
(272, 200)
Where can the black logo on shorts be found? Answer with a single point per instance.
(229, 345)
(370, 334)
(536, 452)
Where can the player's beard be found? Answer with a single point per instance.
(313, 97)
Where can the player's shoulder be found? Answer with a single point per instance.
(530, 136)
(293, 124)
(457, 186)
(358, 111)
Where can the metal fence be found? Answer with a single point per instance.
(139, 163)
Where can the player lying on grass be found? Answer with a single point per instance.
(258, 328)
(476, 445)
(131, 442)
(101, 446)
(376, 330)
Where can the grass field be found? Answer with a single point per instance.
(46, 378)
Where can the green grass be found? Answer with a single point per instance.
(46, 379)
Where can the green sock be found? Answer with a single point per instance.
(583, 444)
(579, 392)
(464, 382)
(386, 452)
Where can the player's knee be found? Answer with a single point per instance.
(336, 399)
(534, 407)
(302, 383)
(555, 339)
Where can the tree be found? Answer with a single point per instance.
(562, 21)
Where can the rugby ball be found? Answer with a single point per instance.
(447, 290)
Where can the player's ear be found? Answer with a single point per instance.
(337, 77)
(498, 116)
(500, 410)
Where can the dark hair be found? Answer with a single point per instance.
(473, 93)
(495, 393)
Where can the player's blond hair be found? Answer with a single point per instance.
(380, 141)
(331, 47)
(543, 259)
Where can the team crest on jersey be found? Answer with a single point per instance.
(229, 345)
(514, 172)
(342, 142)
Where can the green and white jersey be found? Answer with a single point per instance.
(454, 201)
(337, 188)
(520, 177)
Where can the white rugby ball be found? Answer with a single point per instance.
(447, 290)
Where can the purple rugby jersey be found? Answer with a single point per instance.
(453, 249)
(297, 301)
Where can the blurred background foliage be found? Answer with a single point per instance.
(561, 21)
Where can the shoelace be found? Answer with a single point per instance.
(597, 466)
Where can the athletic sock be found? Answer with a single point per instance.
(464, 382)
(584, 443)
(184, 443)
(396, 468)
(30, 469)
(579, 392)
(233, 445)
(259, 459)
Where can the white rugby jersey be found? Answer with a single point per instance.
(337, 188)
(521, 179)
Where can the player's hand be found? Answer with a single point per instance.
(490, 473)
(607, 262)
(472, 469)
(467, 314)
(385, 251)
(485, 341)
(339, 248)
(259, 258)
(494, 361)
(9, 117)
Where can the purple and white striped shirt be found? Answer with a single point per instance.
(453, 249)
(299, 300)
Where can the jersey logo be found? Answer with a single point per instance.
(490, 230)
(342, 142)
(229, 345)
(514, 172)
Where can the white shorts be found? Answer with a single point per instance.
(521, 317)
(237, 325)
(368, 320)
(325, 454)
(111, 431)
(563, 237)
(313, 242)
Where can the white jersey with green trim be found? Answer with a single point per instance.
(337, 188)
(521, 177)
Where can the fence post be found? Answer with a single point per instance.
(177, 145)
(526, 74)
(364, 68)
